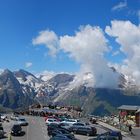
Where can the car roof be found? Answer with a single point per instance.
(16, 124)
(84, 127)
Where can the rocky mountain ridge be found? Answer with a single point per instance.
(21, 88)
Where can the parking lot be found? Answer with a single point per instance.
(37, 130)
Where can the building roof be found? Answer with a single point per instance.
(138, 111)
(129, 107)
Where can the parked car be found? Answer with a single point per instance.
(51, 127)
(54, 129)
(70, 121)
(22, 121)
(1, 132)
(93, 120)
(89, 131)
(107, 138)
(3, 117)
(64, 133)
(62, 118)
(75, 126)
(51, 120)
(51, 117)
(59, 131)
(60, 137)
(14, 117)
(79, 124)
(16, 129)
(65, 125)
(115, 135)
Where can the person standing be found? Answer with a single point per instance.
(130, 129)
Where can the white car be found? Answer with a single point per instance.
(70, 121)
(3, 117)
(14, 117)
(51, 120)
(22, 121)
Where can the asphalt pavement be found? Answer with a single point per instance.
(37, 130)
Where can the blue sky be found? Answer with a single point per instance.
(22, 20)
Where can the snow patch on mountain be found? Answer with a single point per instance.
(86, 79)
(45, 75)
(52, 86)
(1, 71)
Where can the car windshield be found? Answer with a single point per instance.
(84, 128)
(1, 128)
(71, 120)
(17, 127)
(51, 120)
(22, 120)
(78, 124)
(64, 124)
(65, 131)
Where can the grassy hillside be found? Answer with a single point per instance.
(99, 101)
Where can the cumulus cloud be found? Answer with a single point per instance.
(87, 43)
(28, 64)
(127, 35)
(86, 47)
(120, 6)
(49, 39)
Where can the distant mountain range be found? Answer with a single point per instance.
(19, 89)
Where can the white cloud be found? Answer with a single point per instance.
(120, 6)
(88, 47)
(87, 43)
(28, 64)
(49, 39)
(127, 35)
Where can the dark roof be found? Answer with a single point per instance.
(129, 107)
